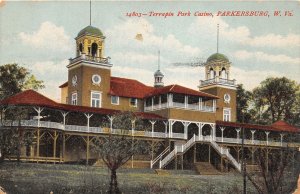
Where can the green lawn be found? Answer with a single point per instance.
(33, 178)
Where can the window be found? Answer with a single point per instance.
(115, 100)
(74, 99)
(133, 102)
(96, 79)
(226, 114)
(95, 99)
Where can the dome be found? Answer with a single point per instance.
(91, 31)
(158, 73)
(217, 57)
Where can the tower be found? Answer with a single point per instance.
(217, 82)
(158, 75)
(89, 72)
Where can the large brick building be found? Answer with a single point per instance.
(197, 125)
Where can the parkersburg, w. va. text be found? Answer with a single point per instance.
(241, 13)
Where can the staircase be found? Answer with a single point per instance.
(205, 168)
(159, 157)
(183, 148)
(178, 149)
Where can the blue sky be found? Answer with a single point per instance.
(40, 36)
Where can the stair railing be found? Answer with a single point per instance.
(152, 162)
(225, 151)
(176, 150)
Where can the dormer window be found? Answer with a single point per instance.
(133, 102)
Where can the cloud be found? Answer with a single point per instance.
(261, 56)
(123, 36)
(135, 58)
(251, 79)
(142, 75)
(206, 28)
(53, 74)
(275, 40)
(48, 36)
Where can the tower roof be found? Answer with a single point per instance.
(158, 73)
(90, 30)
(217, 57)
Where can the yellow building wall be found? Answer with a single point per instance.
(220, 92)
(187, 115)
(64, 95)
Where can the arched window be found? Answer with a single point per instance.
(212, 73)
(94, 49)
(223, 73)
(80, 48)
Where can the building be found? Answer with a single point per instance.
(187, 126)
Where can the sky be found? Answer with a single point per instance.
(39, 35)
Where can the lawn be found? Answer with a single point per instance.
(31, 178)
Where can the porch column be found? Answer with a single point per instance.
(111, 118)
(88, 116)
(55, 136)
(238, 135)
(186, 125)
(152, 102)
(200, 103)
(200, 126)
(132, 134)
(38, 144)
(213, 126)
(87, 149)
(170, 100)
(185, 101)
(132, 127)
(222, 131)
(64, 146)
(267, 134)
(166, 128)
(152, 127)
(281, 138)
(171, 127)
(214, 105)
(64, 114)
(159, 101)
(39, 110)
(252, 132)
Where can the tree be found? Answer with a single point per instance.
(276, 98)
(14, 79)
(243, 98)
(277, 171)
(116, 150)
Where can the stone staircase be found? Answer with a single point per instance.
(205, 168)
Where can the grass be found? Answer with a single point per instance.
(29, 178)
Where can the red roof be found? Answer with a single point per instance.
(33, 98)
(128, 88)
(179, 90)
(134, 89)
(277, 126)
(284, 126)
(29, 97)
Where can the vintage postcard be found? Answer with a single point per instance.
(149, 97)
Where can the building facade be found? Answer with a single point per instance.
(186, 126)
